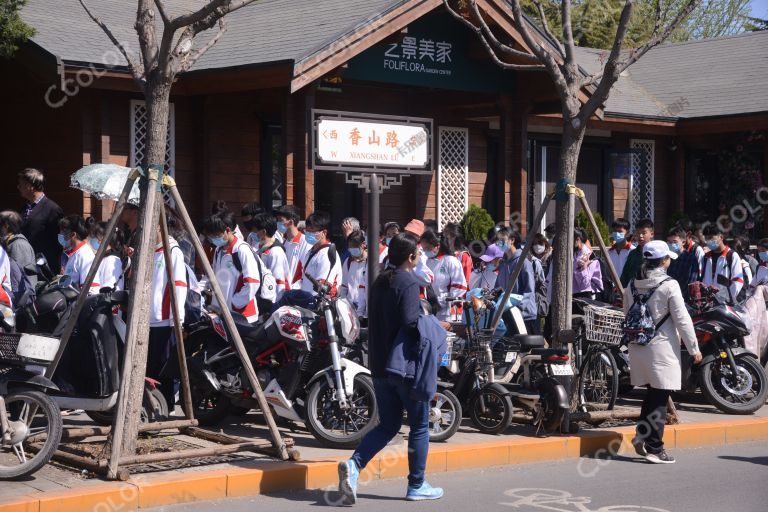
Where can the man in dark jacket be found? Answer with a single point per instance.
(41, 216)
(685, 269)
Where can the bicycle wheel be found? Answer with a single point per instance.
(598, 380)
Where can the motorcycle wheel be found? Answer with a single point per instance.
(497, 414)
(444, 416)
(334, 427)
(745, 396)
(550, 417)
(598, 381)
(210, 407)
(15, 460)
(103, 418)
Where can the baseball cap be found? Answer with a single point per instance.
(491, 253)
(657, 249)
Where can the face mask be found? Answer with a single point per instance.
(675, 248)
(218, 241)
(713, 245)
(387, 241)
(763, 255)
(281, 228)
(503, 246)
(62, 241)
(430, 254)
(492, 266)
(617, 237)
(538, 249)
(253, 240)
(355, 252)
(95, 244)
(311, 238)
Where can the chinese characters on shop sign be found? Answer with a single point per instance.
(419, 56)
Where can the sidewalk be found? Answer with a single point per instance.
(56, 488)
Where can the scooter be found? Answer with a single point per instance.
(27, 412)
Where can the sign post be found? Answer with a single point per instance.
(374, 152)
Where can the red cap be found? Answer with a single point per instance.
(416, 227)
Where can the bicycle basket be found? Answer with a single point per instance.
(603, 325)
(22, 349)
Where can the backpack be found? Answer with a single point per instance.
(540, 282)
(21, 287)
(638, 326)
(267, 294)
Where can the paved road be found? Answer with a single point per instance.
(729, 478)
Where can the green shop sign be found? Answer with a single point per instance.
(433, 53)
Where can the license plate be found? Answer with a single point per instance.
(561, 369)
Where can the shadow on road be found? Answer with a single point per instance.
(762, 461)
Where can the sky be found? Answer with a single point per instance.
(759, 8)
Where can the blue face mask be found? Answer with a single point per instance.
(311, 238)
(675, 248)
(95, 244)
(62, 241)
(763, 255)
(281, 228)
(387, 241)
(218, 241)
(253, 240)
(355, 252)
(713, 245)
(503, 246)
(617, 237)
(430, 254)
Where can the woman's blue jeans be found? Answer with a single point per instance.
(392, 398)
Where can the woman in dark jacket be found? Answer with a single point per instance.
(393, 312)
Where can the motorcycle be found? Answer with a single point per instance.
(95, 344)
(27, 412)
(298, 354)
(731, 377)
(485, 365)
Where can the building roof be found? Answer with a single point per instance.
(705, 78)
(713, 77)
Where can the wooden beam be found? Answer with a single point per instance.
(340, 51)
(737, 123)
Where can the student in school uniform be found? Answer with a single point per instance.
(77, 257)
(622, 246)
(235, 265)
(318, 260)
(162, 340)
(6, 290)
(110, 273)
(354, 273)
(262, 239)
(761, 275)
(294, 241)
(449, 281)
(722, 266)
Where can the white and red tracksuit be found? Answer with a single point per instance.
(160, 312)
(276, 260)
(5, 278)
(296, 251)
(319, 267)
(734, 274)
(354, 277)
(76, 263)
(449, 282)
(466, 264)
(244, 286)
(109, 275)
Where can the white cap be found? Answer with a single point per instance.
(657, 249)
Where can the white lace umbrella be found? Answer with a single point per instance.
(105, 181)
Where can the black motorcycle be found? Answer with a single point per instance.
(730, 376)
(299, 358)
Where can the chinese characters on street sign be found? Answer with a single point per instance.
(419, 56)
(369, 143)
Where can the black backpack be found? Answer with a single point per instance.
(639, 327)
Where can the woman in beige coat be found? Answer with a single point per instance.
(657, 364)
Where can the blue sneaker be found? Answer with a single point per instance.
(348, 475)
(424, 492)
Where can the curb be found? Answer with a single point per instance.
(146, 491)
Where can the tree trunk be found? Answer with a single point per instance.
(157, 103)
(561, 300)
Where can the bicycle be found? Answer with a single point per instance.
(598, 334)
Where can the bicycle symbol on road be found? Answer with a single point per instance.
(563, 501)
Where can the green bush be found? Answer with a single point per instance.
(583, 222)
(476, 224)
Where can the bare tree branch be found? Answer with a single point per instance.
(185, 64)
(545, 25)
(163, 12)
(136, 69)
(214, 8)
(568, 32)
(145, 28)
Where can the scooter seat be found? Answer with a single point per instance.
(530, 341)
(546, 352)
(248, 331)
